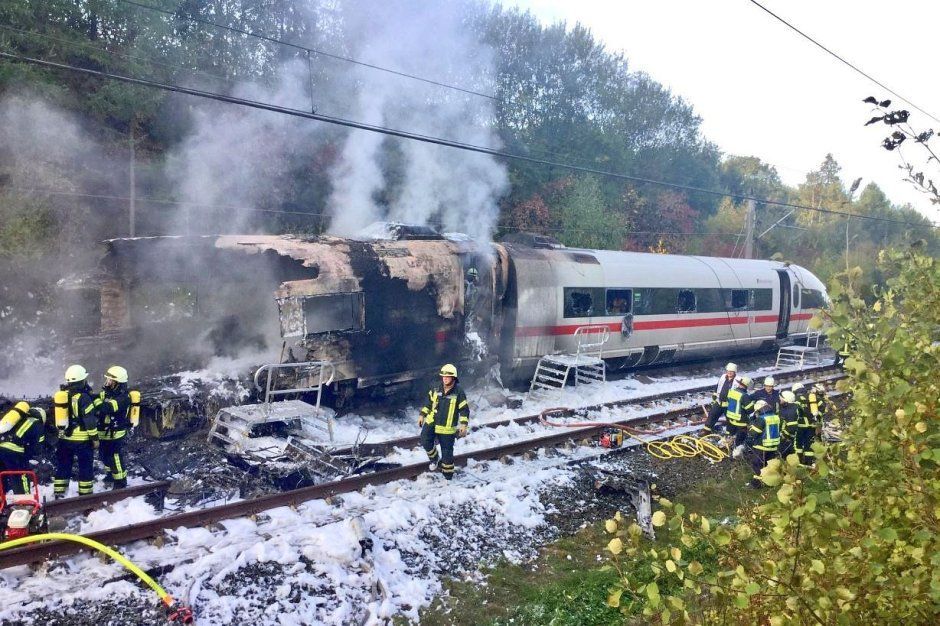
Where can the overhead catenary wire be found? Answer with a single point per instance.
(841, 59)
(229, 207)
(89, 46)
(307, 49)
(430, 139)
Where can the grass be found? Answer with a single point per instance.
(567, 585)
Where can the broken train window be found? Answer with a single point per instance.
(322, 314)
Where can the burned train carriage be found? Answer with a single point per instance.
(386, 312)
(382, 311)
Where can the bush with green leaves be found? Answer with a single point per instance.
(854, 540)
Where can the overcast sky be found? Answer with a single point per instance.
(763, 90)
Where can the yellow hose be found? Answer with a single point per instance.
(142, 575)
(686, 447)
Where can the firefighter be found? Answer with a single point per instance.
(76, 419)
(21, 432)
(810, 424)
(789, 414)
(119, 414)
(799, 390)
(445, 415)
(720, 397)
(738, 413)
(763, 440)
(817, 403)
(768, 394)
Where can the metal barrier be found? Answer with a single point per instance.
(272, 369)
(591, 339)
(233, 425)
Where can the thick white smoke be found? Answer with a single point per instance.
(457, 188)
(243, 159)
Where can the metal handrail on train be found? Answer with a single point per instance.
(273, 368)
(591, 339)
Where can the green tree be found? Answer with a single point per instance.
(855, 540)
(585, 220)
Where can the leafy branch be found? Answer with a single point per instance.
(898, 119)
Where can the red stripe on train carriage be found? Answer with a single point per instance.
(568, 329)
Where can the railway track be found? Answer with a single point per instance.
(671, 420)
(384, 447)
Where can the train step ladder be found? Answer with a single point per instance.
(233, 425)
(801, 356)
(554, 370)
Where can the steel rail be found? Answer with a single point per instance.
(97, 500)
(384, 447)
(191, 519)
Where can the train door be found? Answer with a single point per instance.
(783, 319)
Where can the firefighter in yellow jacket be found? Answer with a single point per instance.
(76, 419)
(21, 433)
(445, 415)
(119, 413)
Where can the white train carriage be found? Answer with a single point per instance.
(658, 308)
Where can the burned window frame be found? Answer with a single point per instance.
(690, 307)
(596, 294)
(356, 302)
(730, 300)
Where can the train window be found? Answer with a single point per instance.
(619, 301)
(762, 299)
(686, 301)
(662, 301)
(709, 301)
(333, 312)
(813, 299)
(579, 302)
(642, 301)
(796, 296)
(736, 299)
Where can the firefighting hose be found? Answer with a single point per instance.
(711, 447)
(175, 613)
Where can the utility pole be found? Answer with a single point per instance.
(132, 201)
(846, 245)
(749, 230)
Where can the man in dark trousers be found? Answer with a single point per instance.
(738, 413)
(21, 433)
(763, 440)
(76, 419)
(789, 418)
(720, 397)
(445, 415)
(119, 413)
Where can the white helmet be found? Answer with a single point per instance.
(797, 387)
(760, 404)
(731, 367)
(788, 396)
(769, 381)
(75, 373)
(116, 373)
(744, 380)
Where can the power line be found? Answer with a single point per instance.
(306, 49)
(843, 60)
(88, 45)
(433, 140)
(145, 199)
